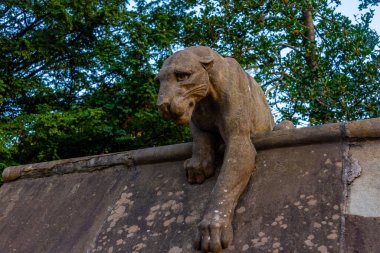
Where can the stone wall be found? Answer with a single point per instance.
(314, 190)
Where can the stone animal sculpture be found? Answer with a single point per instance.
(219, 99)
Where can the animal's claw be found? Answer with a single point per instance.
(213, 235)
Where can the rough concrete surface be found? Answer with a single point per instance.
(56, 214)
(295, 202)
(292, 204)
(364, 195)
(362, 234)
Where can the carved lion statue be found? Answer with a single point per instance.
(219, 100)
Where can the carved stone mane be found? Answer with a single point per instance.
(219, 100)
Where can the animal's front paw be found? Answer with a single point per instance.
(214, 234)
(197, 170)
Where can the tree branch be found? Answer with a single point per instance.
(287, 45)
(283, 74)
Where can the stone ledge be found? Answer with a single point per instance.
(298, 200)
(362, 129)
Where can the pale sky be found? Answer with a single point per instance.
(350, 7)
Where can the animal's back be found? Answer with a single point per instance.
(262, 119)
(256, 104)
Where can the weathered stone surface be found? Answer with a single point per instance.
(369, 128)
(58, 213)
(292, 204)
(362, 234)
(276, 139)
(154, 212)
(264, 219)
(99, 162)
(296, 202)
(364, 197)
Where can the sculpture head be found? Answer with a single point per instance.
(183, 81)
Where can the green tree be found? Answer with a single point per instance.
(314, 63)
(366, 3)
(76, 79)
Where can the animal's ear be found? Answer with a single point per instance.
(207, 62)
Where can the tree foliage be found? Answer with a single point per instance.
(315, 71)
(76, 77)
(367, 3)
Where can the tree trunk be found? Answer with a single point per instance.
(319, 111)
(309, 39)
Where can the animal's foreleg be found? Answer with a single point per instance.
(201, 165)
(215, 230)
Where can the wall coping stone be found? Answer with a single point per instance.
(334, 132)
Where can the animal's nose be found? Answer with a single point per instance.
(164, 109)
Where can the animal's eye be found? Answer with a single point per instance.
(181, 76)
